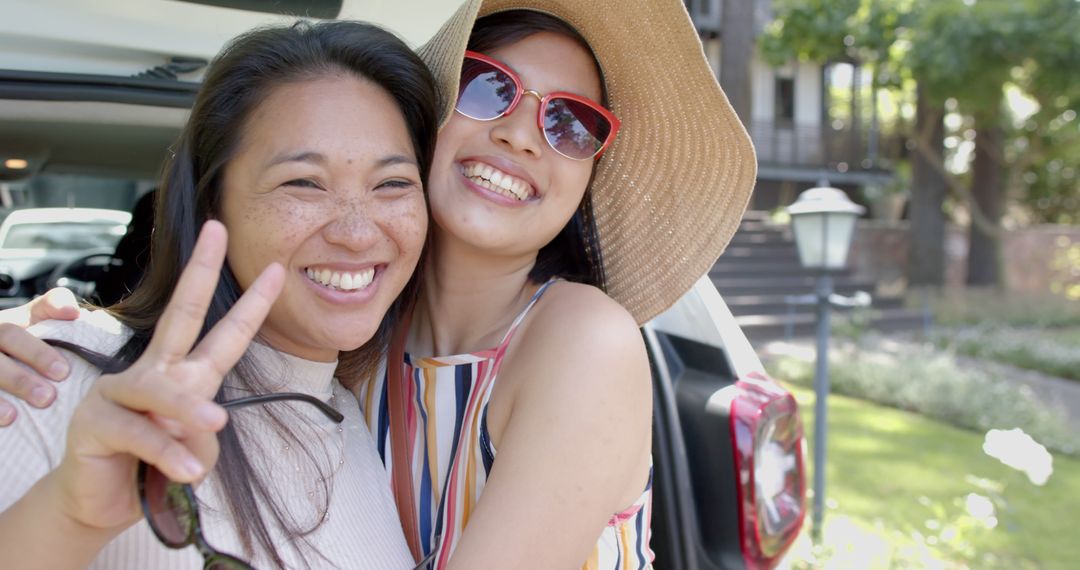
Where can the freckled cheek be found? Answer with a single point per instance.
(405, 222)
(269, 231)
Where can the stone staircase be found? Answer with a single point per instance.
(760, 269)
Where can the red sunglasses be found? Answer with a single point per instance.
(575, 126)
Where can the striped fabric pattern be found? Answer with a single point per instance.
(451, 453)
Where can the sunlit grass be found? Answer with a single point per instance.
(906, 491)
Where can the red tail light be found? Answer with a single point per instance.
(768, 442)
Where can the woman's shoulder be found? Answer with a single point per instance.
(40, 433)
(567, 303)
(578, 327)
(95, 329)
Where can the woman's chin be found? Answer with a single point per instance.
(351, 340)
(322, 343)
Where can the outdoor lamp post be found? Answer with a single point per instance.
(823, 220)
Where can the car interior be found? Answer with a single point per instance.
(86, 141)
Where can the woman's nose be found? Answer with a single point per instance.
(518, 130)
(353, 226)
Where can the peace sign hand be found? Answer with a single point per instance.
(121, 419)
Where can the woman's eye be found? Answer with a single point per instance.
(303, 183)
(397, 184)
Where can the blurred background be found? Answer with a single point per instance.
(953, 430)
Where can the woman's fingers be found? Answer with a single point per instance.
(7, 413)
(58, 303)
(183, 318)
(45, 362)
(24, 384)
(18, 344)
(230, 337)
(172, 427)
(126, 431)
(140, 389)
(205, 448)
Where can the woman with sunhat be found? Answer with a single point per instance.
(307, 144)
(592, 171)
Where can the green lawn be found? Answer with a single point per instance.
(897, 485)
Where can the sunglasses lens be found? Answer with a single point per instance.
(225, 562)
(485, 92)
(168, 508)
(575, 129)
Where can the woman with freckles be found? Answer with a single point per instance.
(591, 172)
(308, 146)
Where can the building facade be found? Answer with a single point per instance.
(810, 123)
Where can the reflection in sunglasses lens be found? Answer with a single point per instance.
(575, 129)
(222, 563)
(170, 510)
(485, 92)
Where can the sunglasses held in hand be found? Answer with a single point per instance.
(172, 509)
(574, 126)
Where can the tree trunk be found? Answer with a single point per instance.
(854, 148)
(926, 258)
(737, 51)
(988, 191)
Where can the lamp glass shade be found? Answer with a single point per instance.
(823, 238)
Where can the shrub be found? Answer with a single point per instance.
(1033, 349)
(927, 381)
(992, 307)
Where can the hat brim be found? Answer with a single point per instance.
(670, 191)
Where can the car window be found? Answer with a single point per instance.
(68, 236)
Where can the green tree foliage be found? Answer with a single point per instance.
(812, 30)
(1047, 144)
(967, 50)
(824, 31)
(970, 51)
(1052, 177)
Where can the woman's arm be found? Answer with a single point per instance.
(18, 346)
(91, 496)
(576, 447)
(55, 540)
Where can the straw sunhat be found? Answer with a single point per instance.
(670, 191)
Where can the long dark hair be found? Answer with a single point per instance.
(574, 253)
(240, 78)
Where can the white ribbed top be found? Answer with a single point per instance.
(361, 528)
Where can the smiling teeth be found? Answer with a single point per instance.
(497, 181)
(342, 281)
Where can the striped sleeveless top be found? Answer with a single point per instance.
(452, 453)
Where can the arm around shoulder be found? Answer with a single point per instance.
(576, 448)
(35, 529)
